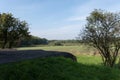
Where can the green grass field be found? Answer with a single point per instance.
(76, 50)
(87, 68)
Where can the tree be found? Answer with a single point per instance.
(102, 31)
(33, 40)
(5, 22)
(19, 31)
(11, 30)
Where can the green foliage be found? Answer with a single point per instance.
(57, 43)
(64, 42)
(33, 40)
(102, 31)
(12, 30)
(58, 69)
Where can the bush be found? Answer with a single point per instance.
(58, 44)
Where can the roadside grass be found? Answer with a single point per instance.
(88, 59)
(59, 68)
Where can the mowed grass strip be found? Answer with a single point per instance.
(58, 68)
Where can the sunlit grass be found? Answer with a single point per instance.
(88, 59)
(76, 50)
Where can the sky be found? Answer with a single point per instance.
(56, 19)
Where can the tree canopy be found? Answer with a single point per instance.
(102, 31)
(11, 30)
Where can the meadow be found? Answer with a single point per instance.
(75, 50)
(87, 67)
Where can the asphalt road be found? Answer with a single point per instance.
(7, 56)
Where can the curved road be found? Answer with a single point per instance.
(7, 56)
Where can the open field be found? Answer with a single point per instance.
(76, 50)
(87, 68)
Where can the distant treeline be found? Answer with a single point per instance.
(64, 42)
(33, 40)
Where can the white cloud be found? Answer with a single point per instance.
(82, 11)
(80, 14)
(64, 32)
(28, 10)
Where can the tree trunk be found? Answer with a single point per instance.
(5, 39)
(4, 43)
(10, 45)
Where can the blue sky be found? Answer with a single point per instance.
(56, 19)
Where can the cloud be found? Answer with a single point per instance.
(64, 32)
(46, 17)
(80, 12)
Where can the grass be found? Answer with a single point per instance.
(59, 68)
(90, 60)
(76, 50)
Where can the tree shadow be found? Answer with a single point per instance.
(95, 72)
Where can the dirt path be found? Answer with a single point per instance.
(15, 55)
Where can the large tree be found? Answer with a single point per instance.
(11, 30)
(102, 31)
